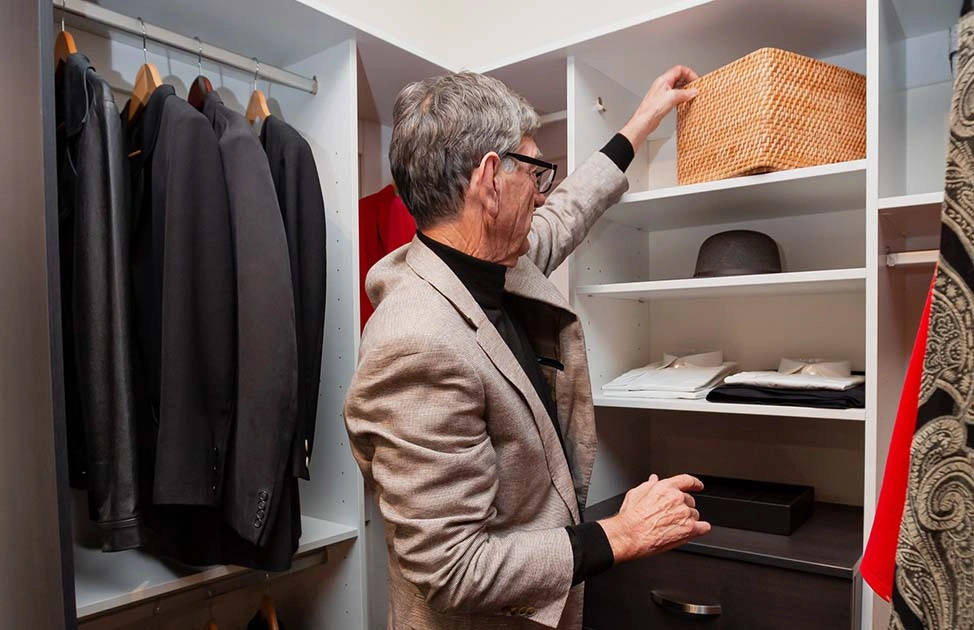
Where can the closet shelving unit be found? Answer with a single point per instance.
(859, 240)
(328, 583)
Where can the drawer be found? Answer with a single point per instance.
(751, 596)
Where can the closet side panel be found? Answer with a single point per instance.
(328, 120)
(31, 594)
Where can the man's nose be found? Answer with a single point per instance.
(539, 199)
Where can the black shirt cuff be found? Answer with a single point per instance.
(620, 151)
(591, 550)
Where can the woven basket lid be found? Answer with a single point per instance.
(736, 253)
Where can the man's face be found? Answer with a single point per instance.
(519, 197)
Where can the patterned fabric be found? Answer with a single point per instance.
(934, 584)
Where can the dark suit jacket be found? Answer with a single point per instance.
(267, 359)
(96, 304)
(183, 274)
(299, 195)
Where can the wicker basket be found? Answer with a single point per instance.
(769, 111)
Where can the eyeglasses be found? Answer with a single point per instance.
(544, 175)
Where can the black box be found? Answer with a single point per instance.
(763, 506)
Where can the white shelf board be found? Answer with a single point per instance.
(816, 189)
(791, 283)
(913, 215)
(104, 581)
(704, 406)
(911, 201)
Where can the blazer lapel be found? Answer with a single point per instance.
(573, 388)
(429, 267)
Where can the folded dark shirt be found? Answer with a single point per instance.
(854, 398)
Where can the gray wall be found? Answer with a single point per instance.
(31, 594)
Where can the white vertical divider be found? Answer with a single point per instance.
(337, 597)
(878, 47)
(616, 331)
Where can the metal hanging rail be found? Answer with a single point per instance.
(191, 45)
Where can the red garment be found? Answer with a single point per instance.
(879, 561)
(384, 224)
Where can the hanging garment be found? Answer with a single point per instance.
(96, 302)
(299, 196)
(184, 300)
(384, 224)
(853, 398)
(879, 560)
(267, 359)
(934, 581)
(199, 536)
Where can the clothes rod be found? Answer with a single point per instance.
(904, 259)
(95, 13)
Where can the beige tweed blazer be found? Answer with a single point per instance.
(472, 482)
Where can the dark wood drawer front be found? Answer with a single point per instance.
(752, 597)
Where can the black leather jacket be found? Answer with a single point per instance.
(96, 301)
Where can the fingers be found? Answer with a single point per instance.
(677, 97)
(678, 76)
(689, 500)
(701, 528)
(686, 483)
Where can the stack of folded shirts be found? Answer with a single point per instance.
(688, 376)
(798, 382)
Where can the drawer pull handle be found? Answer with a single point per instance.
(680, 603)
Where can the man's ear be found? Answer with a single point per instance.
(484, 185)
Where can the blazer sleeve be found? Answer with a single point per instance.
(415, 417)
(560, 225)
(199, 315)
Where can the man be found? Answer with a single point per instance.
(471, 411)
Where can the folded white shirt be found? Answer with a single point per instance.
(657, 393)
(794, 381)
(691, 373)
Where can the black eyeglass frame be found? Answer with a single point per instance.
(536, 162)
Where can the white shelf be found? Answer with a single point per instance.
(912, 201)
(813, 190)
(710, 407)
(105, 581)
(913, 215)
(793, 283)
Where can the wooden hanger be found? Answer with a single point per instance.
(211, 625)
(268, 613)
(201, 86)
(146, 81)
(64, 44)
(257, 107)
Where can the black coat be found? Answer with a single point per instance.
(299, 195)
(96, 302)
(185, 297)
(267, 355)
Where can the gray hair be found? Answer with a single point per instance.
(442, 128)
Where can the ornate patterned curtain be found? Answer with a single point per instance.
(934, 579)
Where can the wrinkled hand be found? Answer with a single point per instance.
(656, 516)
(666, 93)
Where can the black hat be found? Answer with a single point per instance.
(736, 253)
